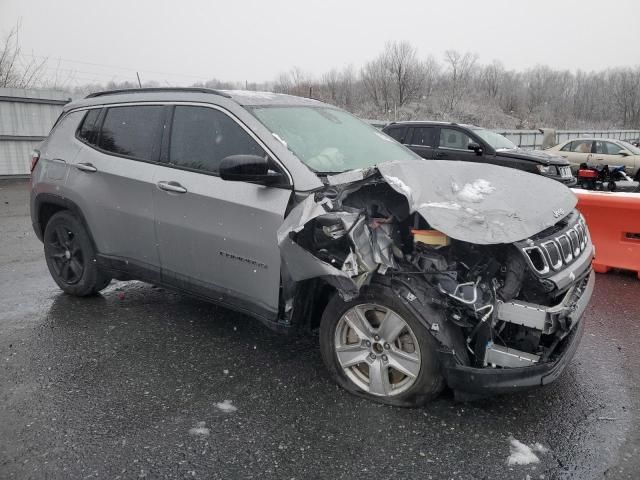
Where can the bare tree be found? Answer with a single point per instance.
(406, 71)
(378, 82)
(430, 75)
(459, 70)
(15, 70)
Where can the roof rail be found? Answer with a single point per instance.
(157, 89)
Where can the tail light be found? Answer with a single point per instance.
(35, 156)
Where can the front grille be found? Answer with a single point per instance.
(548, 255)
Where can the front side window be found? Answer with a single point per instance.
(89, 129)
(450, 138)
(422, 136)
(329, 140)
(608, 148)
(201, 137)
(133, 131)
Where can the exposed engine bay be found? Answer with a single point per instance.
(507, 302)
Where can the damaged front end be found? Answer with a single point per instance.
(503, 254)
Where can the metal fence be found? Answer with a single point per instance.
(26, 116)
(532, 139)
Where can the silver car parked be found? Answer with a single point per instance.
(417, 274)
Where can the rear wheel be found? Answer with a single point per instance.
(70, 256)
(373, 346)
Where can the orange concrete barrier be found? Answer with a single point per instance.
(614, 223)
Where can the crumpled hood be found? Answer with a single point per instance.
(539, 156)
(479, 203)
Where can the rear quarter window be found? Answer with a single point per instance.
(88, 131)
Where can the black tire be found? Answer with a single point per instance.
(428, 383)
(70, 256)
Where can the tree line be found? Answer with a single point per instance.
(400, 85)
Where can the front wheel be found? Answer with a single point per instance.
(373, 346)
(71, 257)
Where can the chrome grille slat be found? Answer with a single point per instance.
(575, 241)
(556, 253)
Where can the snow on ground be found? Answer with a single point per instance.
(199, 430)
(522, 454)
(226, 406)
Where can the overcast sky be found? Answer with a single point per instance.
(185, 41)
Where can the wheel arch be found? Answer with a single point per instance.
(47, 205)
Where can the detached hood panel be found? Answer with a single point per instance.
(479, 203)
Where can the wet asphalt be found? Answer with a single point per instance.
(128, 385)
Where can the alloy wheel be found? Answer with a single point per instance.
(377, 349)
(66, 255)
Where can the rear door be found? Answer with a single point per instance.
(422, 140)
(217, 237)
(111, 180)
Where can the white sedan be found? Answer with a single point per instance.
(601, 151)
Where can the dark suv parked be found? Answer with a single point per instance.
(452, 141)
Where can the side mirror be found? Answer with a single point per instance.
(623, 153)
(476, 147)
(248, 168)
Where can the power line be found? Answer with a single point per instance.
(199, 77)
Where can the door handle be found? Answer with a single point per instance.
(86, 167)
(174, 187)
(59, 160)
(440, 155)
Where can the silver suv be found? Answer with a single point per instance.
(418, 274)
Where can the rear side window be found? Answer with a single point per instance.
(567, 147)
(581, 146)
(132, 131)
(201, 137)
(88, 130)
(422, 136)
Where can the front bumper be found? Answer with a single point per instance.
(568, 181)
(487, 381)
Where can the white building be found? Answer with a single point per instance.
(26, 117)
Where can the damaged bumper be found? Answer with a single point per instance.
(486, 381)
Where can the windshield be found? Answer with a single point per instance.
(497, 141)
(631, 148)
(330, 140)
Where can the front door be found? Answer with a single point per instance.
(217, 237)
(453, 144)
